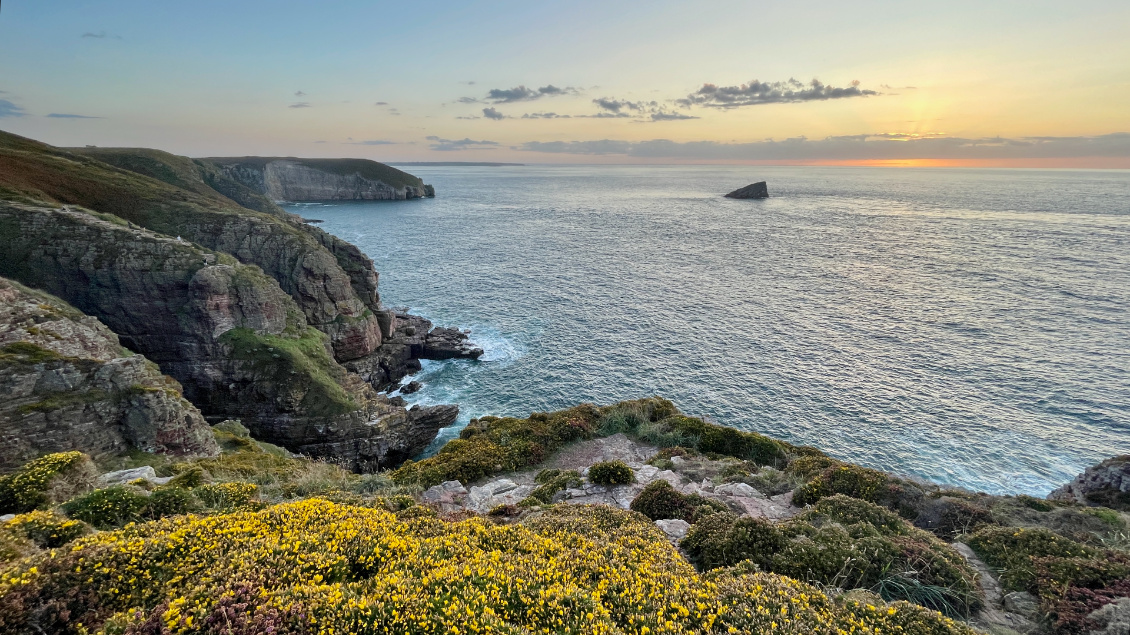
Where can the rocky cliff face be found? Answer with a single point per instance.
(290, 179)
(67, 384)
(1106, 484)
(239, 345)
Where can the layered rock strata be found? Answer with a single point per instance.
(66, 383)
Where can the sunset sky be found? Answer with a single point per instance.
(988, 82)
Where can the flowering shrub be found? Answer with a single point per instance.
(48, 479)
(852, 480)
(318, 567)
(226, 496)
(1012, 550)
(107, 508)
(611, 473)
(46, 529)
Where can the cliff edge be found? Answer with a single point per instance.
(294, 179)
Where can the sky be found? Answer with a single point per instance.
(1025, 83)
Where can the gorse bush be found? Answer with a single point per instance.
(49, 479)
(842, 542)
(317, 567)
(45, 529)
(659, 501)
(492, 444)
(226, 496)
(611, 473)
(107, 508)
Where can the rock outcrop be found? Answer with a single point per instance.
(753, 190)
(412, 339)
(67, 384)
(293, 179)
(1106, 484)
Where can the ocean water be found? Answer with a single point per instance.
(968, 327)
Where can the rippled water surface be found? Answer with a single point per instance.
(970, 327)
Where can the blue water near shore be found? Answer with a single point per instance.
(969, 327)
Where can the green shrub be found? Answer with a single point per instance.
(611, 473)
(490, 445)
(1014, 550)
(49, 479)
(846, 543)
(551, 482)
(170, 501)
(107, 508)
(46, 529)
(659, 501)
(851, 480)
(191, 476)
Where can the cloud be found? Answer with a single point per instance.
(381, 103)
(491, 113)
(300, 104)
(545, 115)
(670, 116)
(521, 93)
(448, 145)
(299, 93)
(876, 146)
(59, 115)
(757, 93)
(467, 100)
(607, 115)
(620, 105)
(101, 35)
(8, 109)
(373, 142)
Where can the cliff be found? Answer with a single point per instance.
(67, 384)
(293, 179)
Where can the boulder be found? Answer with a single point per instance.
(411, 387)
(753, 190)
(675, 528)
(449, 496)
(122, 477)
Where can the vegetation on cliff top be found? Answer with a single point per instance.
(365, 168)
(256, 541)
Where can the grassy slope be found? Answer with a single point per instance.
(194, 175)
(371, 170)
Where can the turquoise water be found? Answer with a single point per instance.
(969, 327)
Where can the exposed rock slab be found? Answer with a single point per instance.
(1107, 484)
(67, 384)
(753, 190)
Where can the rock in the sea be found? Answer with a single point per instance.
(411, 387)
(1106, 484)
(411, 339)
(753, 190)
(67, 384)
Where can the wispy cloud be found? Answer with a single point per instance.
(372, 142)
(670, 116)
(301, 104)
(621, 105)
(872, 146)
(60, 115)
(100, 35)
(381, 103)
(757, 93)
(491, 113)
(8, 109)
(521, 93)
(449, 145)
(545, 115)
(299, 93)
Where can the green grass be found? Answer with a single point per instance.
(300, 361)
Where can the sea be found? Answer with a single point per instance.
(969, 327)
